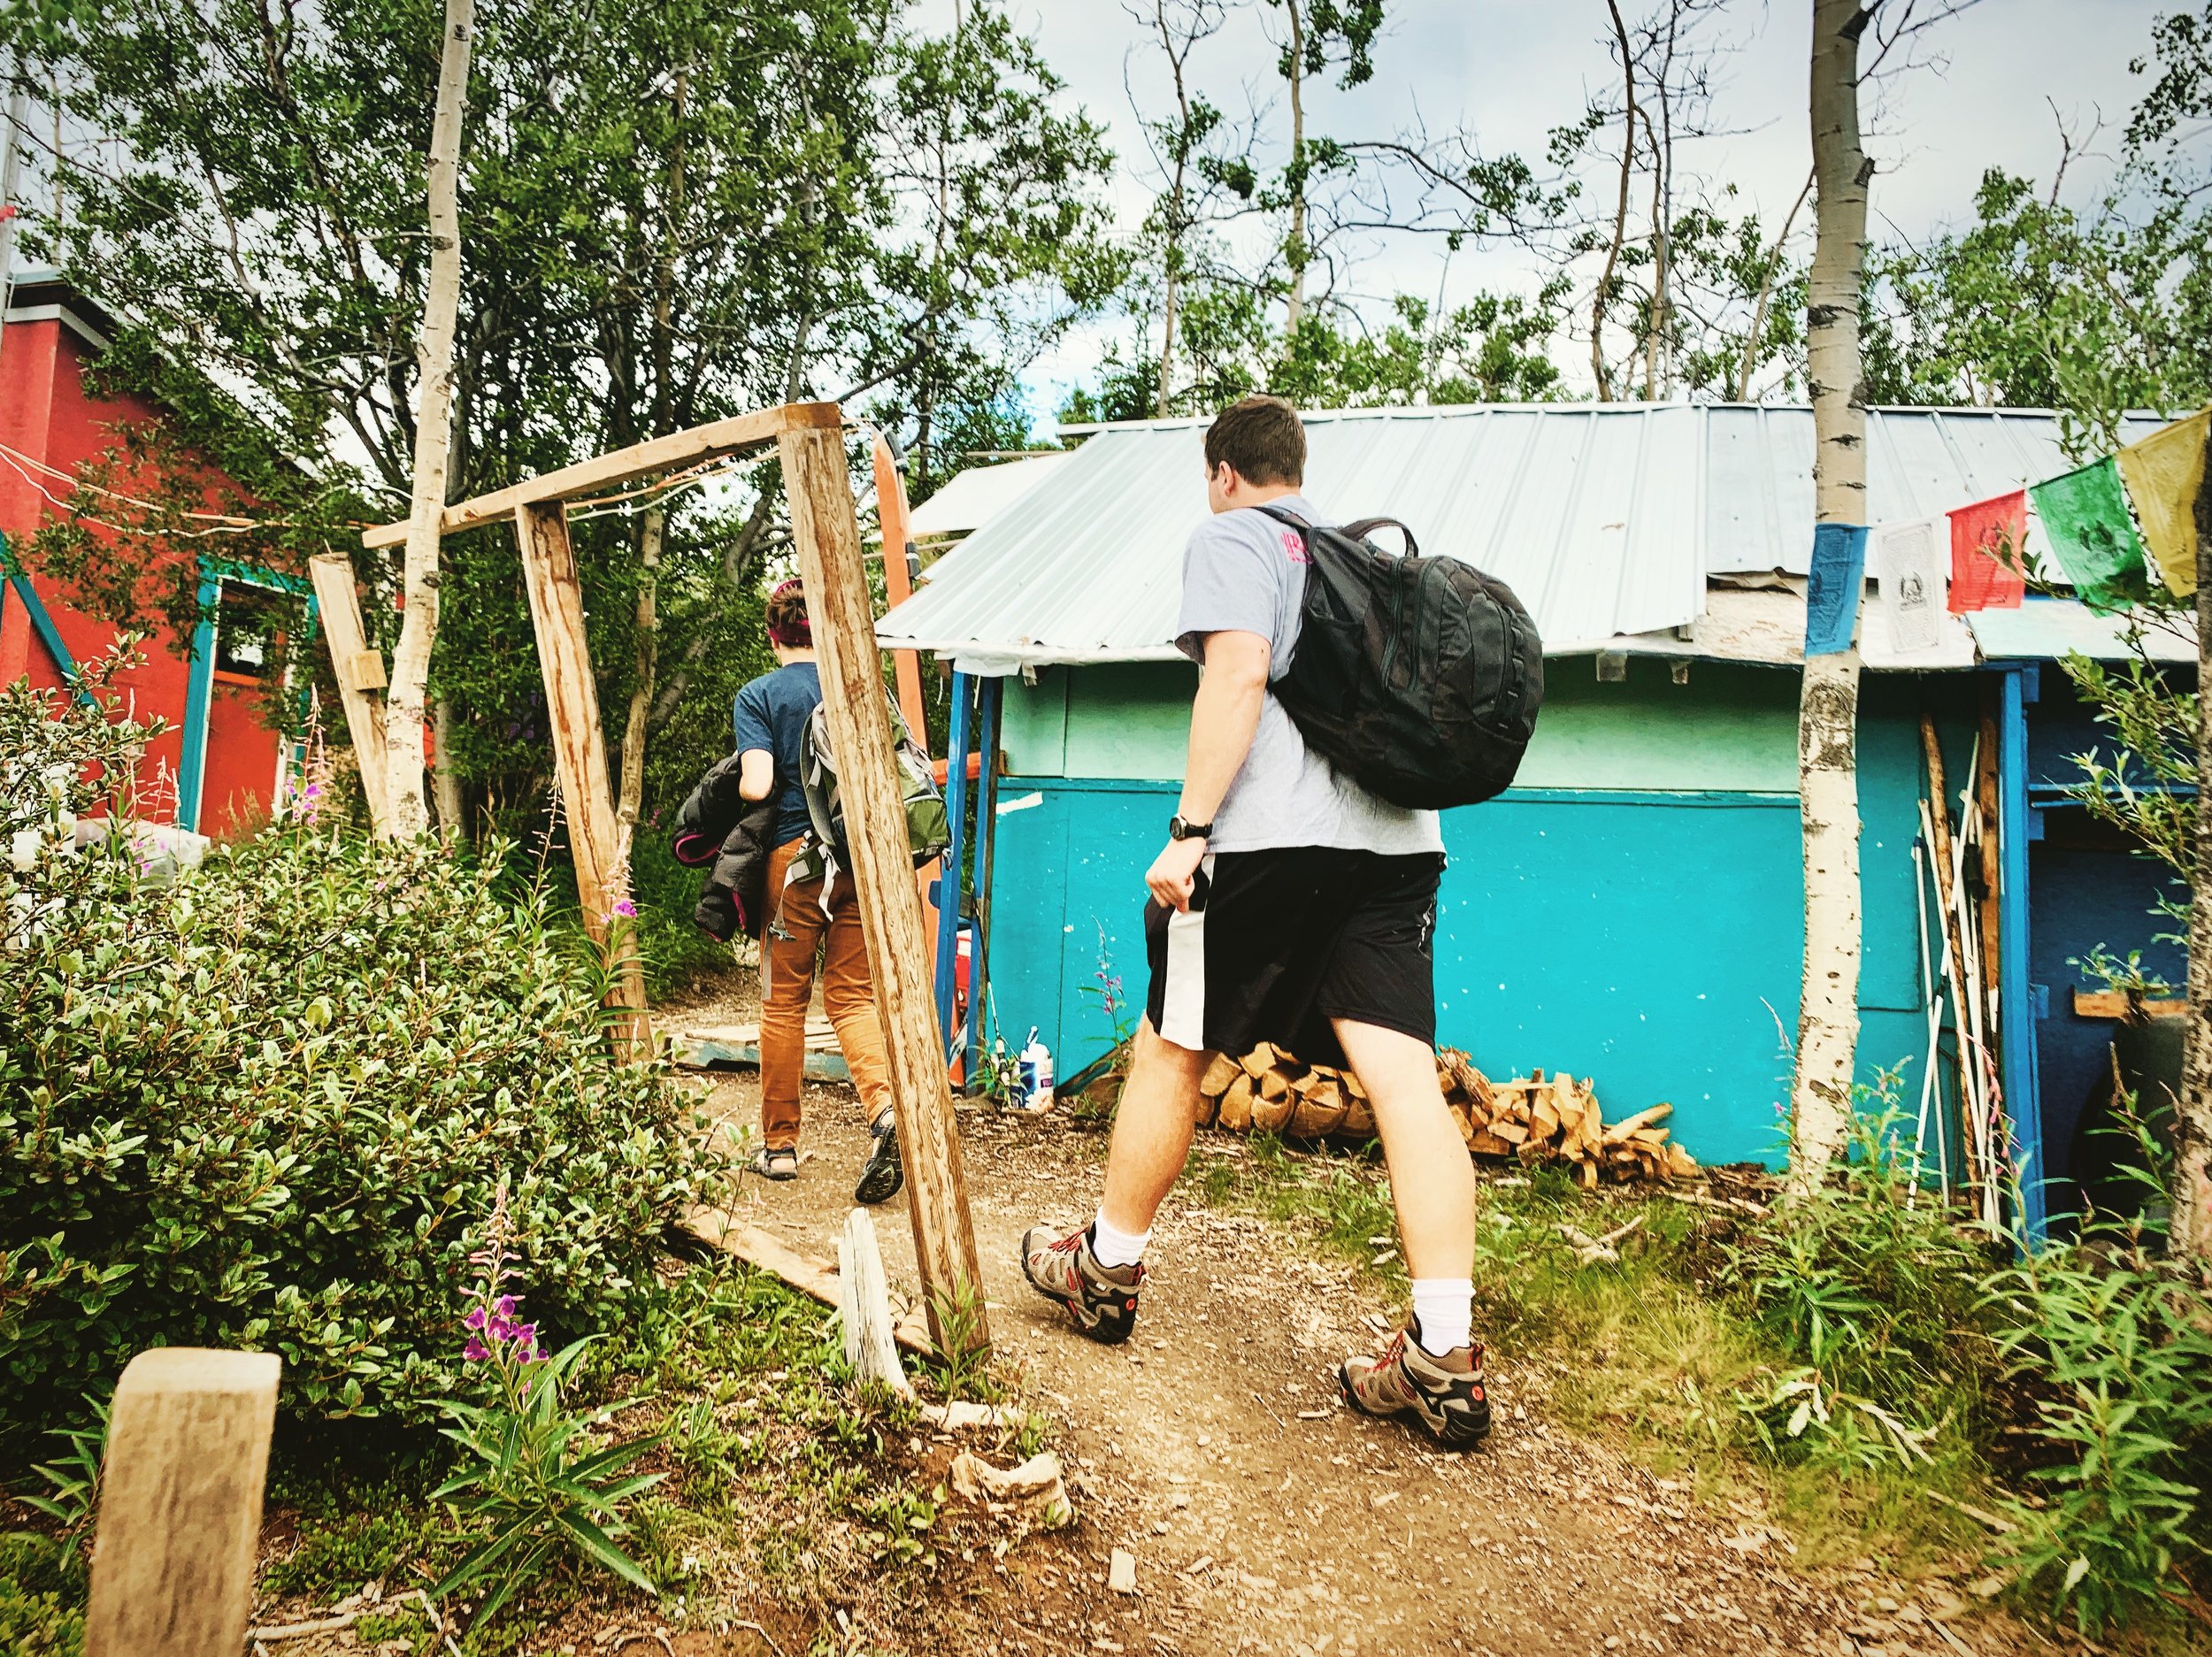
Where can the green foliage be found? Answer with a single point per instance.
(2111, 1338)
(1871, 1284)
(258, 1108)
(72, 1496)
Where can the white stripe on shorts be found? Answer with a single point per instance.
(1183, 1001)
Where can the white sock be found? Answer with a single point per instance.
(1443, 1313)
(1111, 1247)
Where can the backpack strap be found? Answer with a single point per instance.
(1367, 526)
(1359, 531)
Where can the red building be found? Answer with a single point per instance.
(219, 762)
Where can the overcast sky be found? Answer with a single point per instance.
(1980, 94)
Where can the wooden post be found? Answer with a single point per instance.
(360, 671)
(579, 749)
(180, 1520)
(828, 530)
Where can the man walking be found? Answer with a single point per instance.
(770, 716)
(1289, 905)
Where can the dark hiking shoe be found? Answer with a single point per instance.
(882, 1174)
(1103, 1299)
(1444, 1394)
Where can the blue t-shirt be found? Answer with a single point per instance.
(771, 714)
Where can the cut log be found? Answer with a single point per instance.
(1543, 1121)
(1359, 1117)
(1511, 1132)
(1316, 1118)
(863, 1305)
(1272, 1115)
(1220, 1074)
(1274, 1082)
(1620, 1130)
(1236, 1106)
(1486, 1143)
(1209, 1108)
(1259, 1060)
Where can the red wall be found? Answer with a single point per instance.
(46, 415)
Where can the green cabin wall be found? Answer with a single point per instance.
(1631, 910)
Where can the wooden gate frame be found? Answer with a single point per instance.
(825, 525)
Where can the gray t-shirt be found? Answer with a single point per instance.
(1243, 571)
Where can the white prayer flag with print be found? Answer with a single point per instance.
(1908, 563)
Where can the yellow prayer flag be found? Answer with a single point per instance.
(2163, 473)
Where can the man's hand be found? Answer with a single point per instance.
(1169, 876)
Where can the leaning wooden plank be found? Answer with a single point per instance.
(712, 441)
(756, 1247)
(579, 755)
(826, 530)
(179, 1516)
(340, 609)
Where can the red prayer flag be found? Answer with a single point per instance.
(1989, 554)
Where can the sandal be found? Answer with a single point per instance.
(776, 1161)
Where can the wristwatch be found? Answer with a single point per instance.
(1181, 828)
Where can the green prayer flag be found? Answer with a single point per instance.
(2086, 519)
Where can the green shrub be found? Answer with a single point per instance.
(2111, 1339)
(269, 1107)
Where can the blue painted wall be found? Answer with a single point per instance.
(1648, 937)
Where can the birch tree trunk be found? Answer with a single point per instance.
(1828, 710)
(2192, 1222)
(409, 813)
(447, 781)
(1295, 248)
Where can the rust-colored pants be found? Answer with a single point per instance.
(787, 987)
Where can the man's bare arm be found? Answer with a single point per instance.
(1223, 717)
(755, 774)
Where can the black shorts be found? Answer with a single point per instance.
(1277, 943)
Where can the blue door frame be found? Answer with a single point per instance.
(2020, 1004)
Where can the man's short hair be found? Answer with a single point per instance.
(1261, 437)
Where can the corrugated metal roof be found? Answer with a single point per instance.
(974, 497)
(1605, 518)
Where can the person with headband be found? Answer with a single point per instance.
(770, 718)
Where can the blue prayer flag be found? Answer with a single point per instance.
(1832, 595)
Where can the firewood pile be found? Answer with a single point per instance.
(1532, 1119)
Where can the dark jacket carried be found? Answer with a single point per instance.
(716, 825)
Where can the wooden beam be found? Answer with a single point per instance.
(179, 1518)
(580, 753)
(712, 441)
(2124, 1004)
(826, 530)
(339, 607)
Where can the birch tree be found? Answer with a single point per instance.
(407, 815)
(1828, 710)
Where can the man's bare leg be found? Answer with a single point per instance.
(1097, 1272)
(1153, 1125)
(1432, 1177)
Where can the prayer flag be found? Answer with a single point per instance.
(2084, 517)
(2163, 473)
(1832, 596)
(1989, 554)
(1909, 567)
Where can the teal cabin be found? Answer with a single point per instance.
(1631, 909)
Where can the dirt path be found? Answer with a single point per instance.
(1265, 1518)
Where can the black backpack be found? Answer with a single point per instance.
(1417, 678)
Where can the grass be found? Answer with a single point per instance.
(787, 1485)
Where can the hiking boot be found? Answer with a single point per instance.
(1103, 1299)
(1444, 1394)
(882, 1174)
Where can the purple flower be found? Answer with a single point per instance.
(504, 1305)
(476, 1351)
(626, 908)
(475, 1319)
